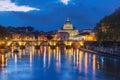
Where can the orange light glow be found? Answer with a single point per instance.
(90, 37)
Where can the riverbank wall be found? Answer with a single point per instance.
(106, 47)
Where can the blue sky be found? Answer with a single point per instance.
(50, 15)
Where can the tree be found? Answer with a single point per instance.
(4, 33)
(112, 26)
(49, 37)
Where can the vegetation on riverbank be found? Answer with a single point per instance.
(4, 33)
(4, 36)
(108, 29)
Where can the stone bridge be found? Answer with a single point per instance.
(24, 43)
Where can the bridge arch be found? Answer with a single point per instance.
(78, 44)
(14, 44)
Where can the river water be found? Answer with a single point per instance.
(59, 64)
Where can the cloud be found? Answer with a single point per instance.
(66, 2)
(8, 5)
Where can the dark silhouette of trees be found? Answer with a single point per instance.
(49, 37)
(112, 26)
(4, 33)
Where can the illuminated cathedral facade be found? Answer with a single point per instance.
(68, 28)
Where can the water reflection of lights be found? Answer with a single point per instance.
(80, 61)
(54, 53)
(49, 56)
(47, 59)
(94, 64)
(31, 56)
(3, 61)
(41, 49)
(74, 57)
(77, 59)
(98, 65)
(12, 52)
(58, 59)
(31, 53)
(15, 58)
(44, 58)
(86, 62)
(69, 53)
(102, 61)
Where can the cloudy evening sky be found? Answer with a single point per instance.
(51, 14)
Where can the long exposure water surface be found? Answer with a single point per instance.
(59, 64)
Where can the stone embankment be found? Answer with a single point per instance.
(108, 47)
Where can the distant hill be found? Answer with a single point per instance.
(108, 29)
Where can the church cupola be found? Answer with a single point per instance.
(68, 25)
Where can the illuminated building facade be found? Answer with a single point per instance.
(68, 27)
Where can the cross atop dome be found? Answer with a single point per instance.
(68, 19)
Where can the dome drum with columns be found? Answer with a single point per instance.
(68, 27)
